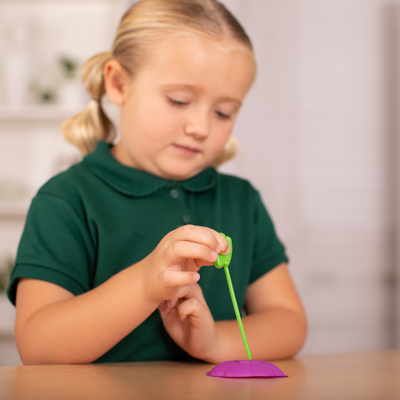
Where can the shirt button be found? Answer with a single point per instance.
(174, 193)
(186, 219)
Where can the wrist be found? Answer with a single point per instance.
(218, 352)
(141, 274)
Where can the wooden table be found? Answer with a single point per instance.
(361, 376)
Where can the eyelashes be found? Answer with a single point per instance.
(177, 102)
(181, 104)
(222, 115)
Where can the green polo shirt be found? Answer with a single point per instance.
(99, 217)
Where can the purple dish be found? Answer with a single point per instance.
(246, 369)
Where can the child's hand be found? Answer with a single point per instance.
(189, 322)
(178, 257)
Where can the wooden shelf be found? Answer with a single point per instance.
(10, 208)
(37, 112)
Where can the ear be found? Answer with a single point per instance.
(115, 82)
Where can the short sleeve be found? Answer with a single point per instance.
(269, 251)
(56, 246)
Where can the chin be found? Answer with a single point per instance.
(180, 174)
(178, 177)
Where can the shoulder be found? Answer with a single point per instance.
(234, 184)
(237, 196)
(69, 185)
(74, 177)
(231, 180)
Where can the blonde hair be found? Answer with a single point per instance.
(144, 24)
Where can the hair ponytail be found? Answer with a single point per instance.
(89, 126)
(229, 151)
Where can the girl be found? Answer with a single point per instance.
(108, 267)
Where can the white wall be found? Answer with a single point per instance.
(317, 135)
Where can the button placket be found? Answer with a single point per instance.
(174, 193)
(186, 219)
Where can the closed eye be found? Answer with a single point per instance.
(222, 115)
(177, 102)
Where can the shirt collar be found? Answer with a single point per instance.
(133, 182)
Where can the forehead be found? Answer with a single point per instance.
(222, 67)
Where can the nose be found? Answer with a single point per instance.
(198, 124)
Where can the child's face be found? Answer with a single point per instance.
(177, 112)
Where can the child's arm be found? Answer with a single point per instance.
(275, 326)
(54, 326)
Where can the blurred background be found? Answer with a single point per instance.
(318, 134)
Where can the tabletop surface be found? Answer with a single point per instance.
(363, 376)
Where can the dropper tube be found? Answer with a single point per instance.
(237, 311)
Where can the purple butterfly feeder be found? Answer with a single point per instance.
(241, 368)
(246, 369)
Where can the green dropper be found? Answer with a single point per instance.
(224, 261)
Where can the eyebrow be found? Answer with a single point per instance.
(177, 86)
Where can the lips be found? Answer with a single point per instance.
(188, 150)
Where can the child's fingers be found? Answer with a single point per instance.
(200, 234)
(192, 307)
(197, 234)
(172, 302)
(191, 250)
(171, 278)
(185, 293)
(193, 290)
(225, 247)
(168, 315)
(163, 306)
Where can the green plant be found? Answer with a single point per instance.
(44, 94)
(6, 266)
(69, 67)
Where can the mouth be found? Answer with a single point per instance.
(187, 150)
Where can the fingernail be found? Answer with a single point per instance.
(218, 248)
(214, 255)
(228, 251)
(196, 276)
(168, 304)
